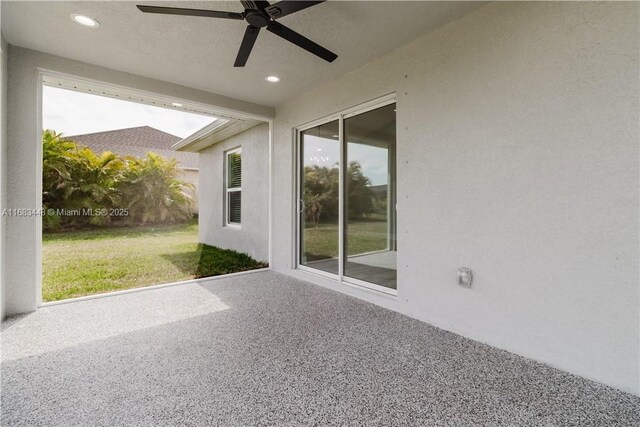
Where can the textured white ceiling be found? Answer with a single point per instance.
(199, 52)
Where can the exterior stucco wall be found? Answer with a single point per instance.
(23, 255)
(253, 236)
(191, 176)
(3, 165)
(517, 131)
(24, 153)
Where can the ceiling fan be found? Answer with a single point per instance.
(258, 14)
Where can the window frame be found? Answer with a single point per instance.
(228, 190)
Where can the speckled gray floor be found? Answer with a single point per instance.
(264, 349)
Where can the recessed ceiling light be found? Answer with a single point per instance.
(176, 104)
(272, 79)
(85, 20)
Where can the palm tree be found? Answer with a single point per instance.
(93, 184)
(57, 163)
(154, 191)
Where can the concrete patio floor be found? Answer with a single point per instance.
(265, 349)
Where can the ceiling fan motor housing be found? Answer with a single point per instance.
(257, 18)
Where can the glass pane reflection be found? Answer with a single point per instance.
(319, 195)
(370, 197)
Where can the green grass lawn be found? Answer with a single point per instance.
(95, 261)
(362, 236)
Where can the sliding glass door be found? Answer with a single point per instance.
(347, 197)
(318, 202)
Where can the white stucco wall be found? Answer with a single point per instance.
(22, 237)
(3, 164)
(191, 176)
(253, 235)
(517, 157)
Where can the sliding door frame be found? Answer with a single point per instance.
(297, 248)
(298, 197)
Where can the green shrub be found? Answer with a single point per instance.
(81, 183)
(213, 261)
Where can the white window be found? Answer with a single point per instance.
(233, 187)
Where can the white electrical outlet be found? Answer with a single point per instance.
(465, 277)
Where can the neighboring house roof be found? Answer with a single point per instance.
(137, 142)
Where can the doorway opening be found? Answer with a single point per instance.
(120, 204)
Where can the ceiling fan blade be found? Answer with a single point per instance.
(254, 4)
(249, 39)
(300, 40)
(287, 7)
(190, 12)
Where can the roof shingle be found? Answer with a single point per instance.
(137, 142)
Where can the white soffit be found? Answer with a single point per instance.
(127, 94)
(213, 133)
